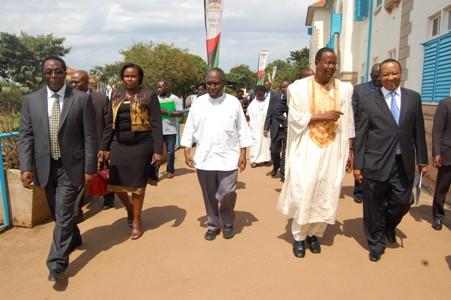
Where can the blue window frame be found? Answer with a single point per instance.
(361, 10)
(436, 82)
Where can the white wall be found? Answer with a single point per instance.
(320, 32)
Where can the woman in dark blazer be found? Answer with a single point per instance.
(133, 142)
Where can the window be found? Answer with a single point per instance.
(436, 82)
(436, 26)
(449, 20)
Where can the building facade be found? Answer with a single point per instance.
(364, 32)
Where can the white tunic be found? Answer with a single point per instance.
(219, 129)
(313, 175)
(259, 150)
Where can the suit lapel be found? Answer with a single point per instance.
(404, 103)
(68, 100)
(42, 110)
(380, 100)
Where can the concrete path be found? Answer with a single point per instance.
(173, 261)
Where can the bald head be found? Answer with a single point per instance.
(80, 80)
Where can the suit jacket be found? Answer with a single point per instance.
(359, 94)
(100, 103)
(441, 132)
(272, 122)
(77, 136)
(378, 134)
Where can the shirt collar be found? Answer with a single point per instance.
(387, 92)
(61, 92)
(217, 100)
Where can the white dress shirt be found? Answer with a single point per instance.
(387, 97)
(219, 129)
(50, 99)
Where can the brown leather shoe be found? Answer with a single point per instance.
(170, 175)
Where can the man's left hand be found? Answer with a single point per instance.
(88, 181)
(350, 162)
(242, 160)
(423, 169)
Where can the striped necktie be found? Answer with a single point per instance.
(54, 126)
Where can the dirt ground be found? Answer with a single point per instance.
(173, 261)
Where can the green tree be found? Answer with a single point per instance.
(285, 71)
(299, 58)
(241, 76)
(20, 56)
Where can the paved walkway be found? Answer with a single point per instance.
(173, 261)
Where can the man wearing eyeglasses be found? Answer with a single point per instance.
(57, 151)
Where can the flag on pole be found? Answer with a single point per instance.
(213, 24)
(262, 60)
(273, 75)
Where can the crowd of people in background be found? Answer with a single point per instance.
(311, 131)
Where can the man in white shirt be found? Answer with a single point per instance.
(171, 108)
(216, 123)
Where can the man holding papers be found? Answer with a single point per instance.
(389, 134)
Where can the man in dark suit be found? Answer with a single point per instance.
(80, 81)
(276, 127)
(360, 92)
(390, 132)
(441, 152)
(57, 151)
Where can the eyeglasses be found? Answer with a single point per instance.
(56, 71)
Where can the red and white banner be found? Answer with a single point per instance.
(213, 26)
(262, 61)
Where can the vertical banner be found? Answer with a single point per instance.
(273, 75)
(262, 61)
(213, 24)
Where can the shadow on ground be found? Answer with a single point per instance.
(351, 228)
(102, 238)
(424, 213)
(242, 219)
(347, 191)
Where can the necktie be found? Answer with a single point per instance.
(394, 107)
(54, 126)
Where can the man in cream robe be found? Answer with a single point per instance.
(320, 125)
(257, 109)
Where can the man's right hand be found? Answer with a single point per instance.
(358, 175)
(438, 161)
(266, 133)
(27, 179)
(103, 155)
(331, 115)
(189, 161)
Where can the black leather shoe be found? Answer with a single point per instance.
(228, 232)
(299, 249)
(273, 173)
(437, 223)
(313, 244)
(373, 256)
(211, 234)
(55, 276)
(358, 198)
(391, 235)
(108, 203)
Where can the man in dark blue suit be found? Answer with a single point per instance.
(360, 92)
(389, 140)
